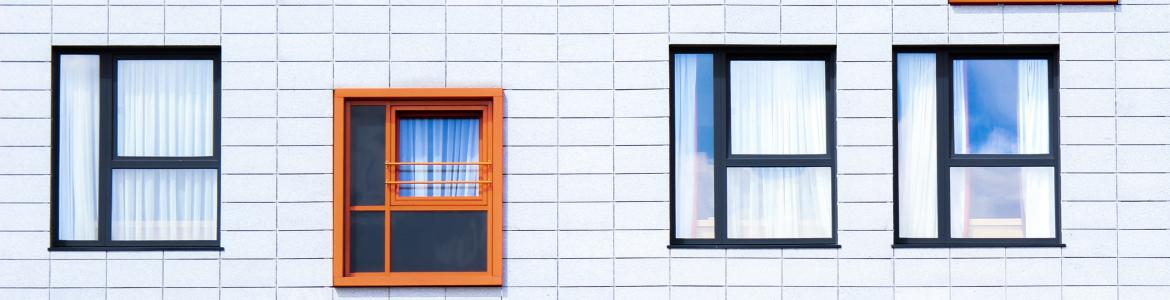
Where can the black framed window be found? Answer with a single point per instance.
(753, 152)
(977, 149)
(136, 150)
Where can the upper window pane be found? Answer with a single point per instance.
(438, 140)
(1001, 106)
(367, 155)
(165, 108)
(778, 107)
(694, 146)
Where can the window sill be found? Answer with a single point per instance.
(757, 246)
(988, 245)
(136, 248)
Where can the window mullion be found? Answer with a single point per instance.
(105, 149)
(780, 162)
(391, 192)
(1006, 160)
(945, 132)
(722, 130)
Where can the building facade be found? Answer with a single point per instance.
(600, 153)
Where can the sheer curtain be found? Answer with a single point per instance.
(694, 169)
(959, 194)
(917, 146)
(438, 140)
(152, 204)
(778, 107)
(1038, 189)
(165, 108)
(779, 203)
(80, 81)
(961, 140)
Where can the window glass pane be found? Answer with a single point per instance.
(1003, 202)
(156, 204)
(1001, 106)
(77, 176)
(917, 146)
(165, 108)
(779, 203)
(438, 140)
(367, 241)
(445, 241)
(778, 107)
(694, 147)
(367, 155)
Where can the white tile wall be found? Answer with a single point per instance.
(587, 137)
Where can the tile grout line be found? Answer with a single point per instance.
(557, 155)
(276, 154)
(1060, 202)
(219, 176)
(1116, 171)
(613, 141)
(669, 252)
(52, 35)
(894, 179)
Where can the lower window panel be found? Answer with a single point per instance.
(1003, 202)
(367, 241)
(779, 203)
(438, 241)
(164, 204)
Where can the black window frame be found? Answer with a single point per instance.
(108, 160)
(722, 56)
(944, 60)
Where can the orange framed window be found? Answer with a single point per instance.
(418, 187)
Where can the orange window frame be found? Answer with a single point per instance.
(488, 104)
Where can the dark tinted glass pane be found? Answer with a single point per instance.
(367, 155)
(438, 241)
(367, 241)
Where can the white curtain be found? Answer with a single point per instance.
(1032, 115)
(165, 108)
(439, 140)
(778, 107)
(961, 140)
(694, 168)
(917, 146)
(1039, 197)
(178, 204)
(960, 186)
(779, 203)
(79, 90)
(1038, 190)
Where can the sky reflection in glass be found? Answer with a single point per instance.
(990, 107)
